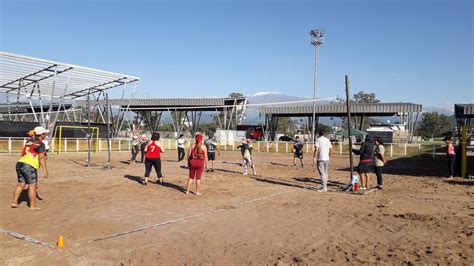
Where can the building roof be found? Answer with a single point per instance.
(22, 73)
(26, 108)
(165, 104)
(464, 110)
(354, 132)
(340, 109)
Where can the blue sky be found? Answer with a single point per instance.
(415, 51)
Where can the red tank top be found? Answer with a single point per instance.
(196, 155)
(153, 151)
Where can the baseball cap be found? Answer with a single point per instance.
(40, 130)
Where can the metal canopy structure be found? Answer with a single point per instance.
(24, 78)
(33, 76)
(27, 109)
(28, 77)
(29, 113)
(464, 114)
(408, 113)
(183, 111)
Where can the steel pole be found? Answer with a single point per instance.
(88, 129)
(316, 49)
(108, 165)
(349, 126)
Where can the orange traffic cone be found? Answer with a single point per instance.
(60, 243)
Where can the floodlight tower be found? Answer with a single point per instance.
(317, 38)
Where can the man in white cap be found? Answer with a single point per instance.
(32, 158)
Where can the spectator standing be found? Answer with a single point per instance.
(379, 161)
(364, 168)
(451, 156)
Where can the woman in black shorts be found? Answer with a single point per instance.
(365, 162)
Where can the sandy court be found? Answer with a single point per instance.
(272, 218)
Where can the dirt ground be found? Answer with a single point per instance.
(274, 218)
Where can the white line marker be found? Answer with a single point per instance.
(27, 238)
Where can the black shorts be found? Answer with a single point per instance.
(364, 168)
(211, 156)
(298, 155)
(26, 173)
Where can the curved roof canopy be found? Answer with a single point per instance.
(464, 110)
(173, 104)
(339, 109)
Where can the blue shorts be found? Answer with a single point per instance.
(26, 173)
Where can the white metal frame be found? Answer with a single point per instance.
(33, 76)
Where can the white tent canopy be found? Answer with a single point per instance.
(33, 76)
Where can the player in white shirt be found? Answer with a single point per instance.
(322, 152)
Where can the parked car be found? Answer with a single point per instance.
(285, 138)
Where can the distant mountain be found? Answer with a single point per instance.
(439, 110)
(272, 97)
(262, 98)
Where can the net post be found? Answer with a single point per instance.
(464, 152)
(59, 140)
(97, 140)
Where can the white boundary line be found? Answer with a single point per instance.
(27, 238)
(194, 215)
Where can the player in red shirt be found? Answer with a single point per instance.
(153, 158)
(197, 161)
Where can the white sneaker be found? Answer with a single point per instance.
(322, 190)
(245, 174)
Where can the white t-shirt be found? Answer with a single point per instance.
(181, 143)
(324, 146)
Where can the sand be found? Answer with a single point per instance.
(276, 217)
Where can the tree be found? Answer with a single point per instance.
(220, 116)
(360, 98)
(236, 95)
(434, 125)
(327, 129)
(285, 126)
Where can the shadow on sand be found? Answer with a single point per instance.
(281, 182)
(412, 166)
(281, 164)
(138, 179)
(465, 182)
(239, 164)
(318, 181)
(227, 171)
